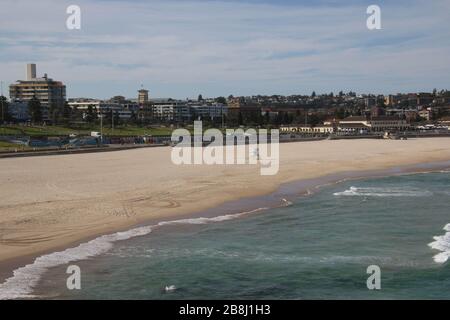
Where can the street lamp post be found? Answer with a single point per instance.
(112, 120)
(101, 128)
(3, 108)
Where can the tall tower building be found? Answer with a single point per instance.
(48, 91)
(143, 97)
(31, 71)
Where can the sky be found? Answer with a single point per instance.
(183, 48)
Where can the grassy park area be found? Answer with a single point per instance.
(6, 146)
(35, 131)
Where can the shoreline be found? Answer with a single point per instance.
(176, 193)
(293, 190)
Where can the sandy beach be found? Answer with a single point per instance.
(51, 202)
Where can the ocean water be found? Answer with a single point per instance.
(312, 247)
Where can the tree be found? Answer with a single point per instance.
(313, 95)
(90, 116)
(200, 97)
(133, 117)
(260, 119)
(34, 110)
(116, 118)
(267, 118)
(313, 120)
(4, 111)
(66, 113)
(286, 118)
(76, 115)
(107, 117)
(340, 113)
(240, 119)
(53, 113)
(221, 100)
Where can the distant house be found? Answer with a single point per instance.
(212, 111)
(426, 114)
(171, 110)
(424, 98)
(124, 111)
(380, 123)
(384, 123)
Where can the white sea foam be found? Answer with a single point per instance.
(383, 192)
(170, 288)
(442, 243)
(24, 279)
(286, 203)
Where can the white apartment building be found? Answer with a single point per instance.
(170, 110)
(124, 111)
(209, 111)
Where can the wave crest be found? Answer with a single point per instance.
(24, 279)
(383, 192)
(442, 243)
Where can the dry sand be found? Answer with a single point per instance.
(53, 201)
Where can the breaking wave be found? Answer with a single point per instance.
(442, 243)
(24, 279)
(383, 192)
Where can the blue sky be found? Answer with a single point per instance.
(181, 48)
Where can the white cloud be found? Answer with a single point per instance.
(181, 47)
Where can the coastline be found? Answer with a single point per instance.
(246, 201)
(229, 211)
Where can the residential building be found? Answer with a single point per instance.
(46, 90)
(124, 110)
(426, 114)
(380, 123)
(424, 98)
(211, 112)
(383, 123)
(171, 110)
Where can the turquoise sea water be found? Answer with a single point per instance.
(319, 247)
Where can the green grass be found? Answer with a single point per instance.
(34, 131)
(6, 146)
(136, 131)
(85, 129)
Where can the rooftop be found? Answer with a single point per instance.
(355, 118)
